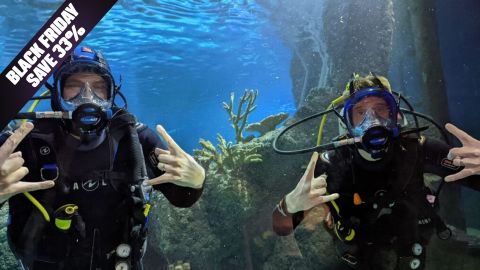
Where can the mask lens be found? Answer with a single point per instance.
(79, 88)
(76, 86)
(375, 106)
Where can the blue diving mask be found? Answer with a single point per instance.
(85, 77)
(371, 114)
(88, 96)
(370, 120)
(84, 86)
(85, 92)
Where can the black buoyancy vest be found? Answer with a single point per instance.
(403, 183)
(104, 183)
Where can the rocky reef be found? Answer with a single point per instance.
(8, 260)
(230, 227)
(331, 39)
(243, 182)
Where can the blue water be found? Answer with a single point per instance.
(179, 60)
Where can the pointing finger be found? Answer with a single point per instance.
(172, 145)
(21, 187)
(32, 186)
(14, 140)
(460, 175)
(309, 172)
(464, 138)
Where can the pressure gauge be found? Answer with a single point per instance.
(122, 265)
(123, 250)
(417, 249)
(415, 263)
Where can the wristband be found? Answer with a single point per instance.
(282, 208)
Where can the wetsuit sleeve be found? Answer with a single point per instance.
(176, 195)
(284, 223)
(436, 162)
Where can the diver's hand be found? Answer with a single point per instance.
(310, 191)
(11, 169)
(467, 156)
(180, 168)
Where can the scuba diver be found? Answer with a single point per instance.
(381, 214)
(84, 175)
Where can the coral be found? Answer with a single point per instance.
(208, 152)
(268, 124)
(233, 196)
(8, 259)
(230, 156)
(179, 265)
(245, 108)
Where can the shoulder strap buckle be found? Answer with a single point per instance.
(49, 172)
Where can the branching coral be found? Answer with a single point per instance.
(229, 158)
(246, 106)
(207, 153)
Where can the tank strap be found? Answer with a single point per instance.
(125, 128)
(46, 159)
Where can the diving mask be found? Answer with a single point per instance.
(370, 120)
(375, 132)
(371, 114)
(83, 88)
(87, 95)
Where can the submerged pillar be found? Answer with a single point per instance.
(434, 93)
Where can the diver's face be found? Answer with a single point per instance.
(377, 104)
(77, 81)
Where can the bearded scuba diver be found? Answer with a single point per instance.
(96, 216)
(371, 178)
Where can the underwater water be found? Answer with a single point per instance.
(180, 60)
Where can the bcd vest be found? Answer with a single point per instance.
(97, 202)
(404, 188)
